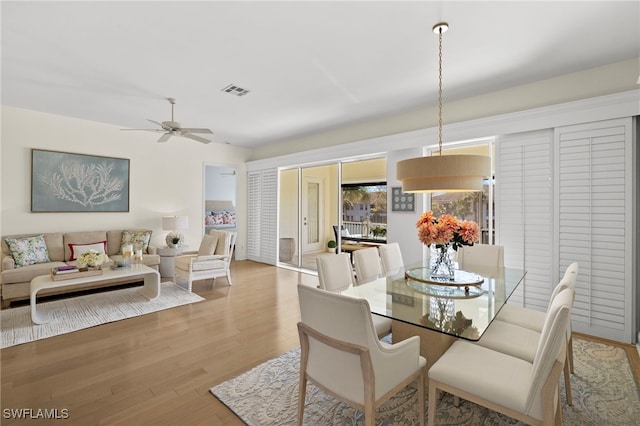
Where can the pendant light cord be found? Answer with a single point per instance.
(440, 91)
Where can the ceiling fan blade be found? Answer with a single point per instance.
(147, 130)
(165, 137)
(196, 130)
(155, 122)
(195, 138)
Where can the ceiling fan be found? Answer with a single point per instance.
(173, 128)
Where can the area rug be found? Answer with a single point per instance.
(80, 312)
(604, 393)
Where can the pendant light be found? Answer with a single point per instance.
(443, 173)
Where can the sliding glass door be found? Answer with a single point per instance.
(308, 205)
(311, 203)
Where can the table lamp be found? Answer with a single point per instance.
(173, 224)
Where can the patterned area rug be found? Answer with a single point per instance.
(604, 393)
(80, 312)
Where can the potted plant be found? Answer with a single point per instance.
(331, 246)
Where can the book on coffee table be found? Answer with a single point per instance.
(77, 274)
(67, 269)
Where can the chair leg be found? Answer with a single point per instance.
(369, 415)
(570, 353)
(558, 419)
(432, 403)
(567, 382)
(421, 399)
(302, 392)
(229, 277)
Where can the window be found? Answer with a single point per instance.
(476, 206)
(364, 210)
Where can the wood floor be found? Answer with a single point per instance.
(157, 369)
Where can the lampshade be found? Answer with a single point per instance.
(443, 173)
(175, 223)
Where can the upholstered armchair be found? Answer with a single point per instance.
(341, 354)
(212, 260)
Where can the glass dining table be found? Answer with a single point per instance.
(439, 310)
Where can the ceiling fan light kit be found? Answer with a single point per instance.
(173, 128)
(443, 173)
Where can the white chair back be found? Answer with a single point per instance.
(226, 241)
(551, 347)
(568, 281)
(367, 264)
(343, 318)
(334, 271)
(391, 257)
(481, 255)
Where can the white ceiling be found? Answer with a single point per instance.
(309, 66)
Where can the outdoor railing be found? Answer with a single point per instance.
(359, 230)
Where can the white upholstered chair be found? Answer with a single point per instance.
(523, 342)
(534, 320)
(335, 274)
(334, 271)
(212, 260)
(367, 264)
(526, 391)
(391, 257)
(479, 257)
(341, 354)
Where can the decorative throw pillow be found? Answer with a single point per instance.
(139, 239)
(28, 250)
(208, 245)
(78, 249)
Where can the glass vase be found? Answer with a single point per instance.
(442, 262)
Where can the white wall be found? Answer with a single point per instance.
(220, 183)
(401, 226)
(613, 78)
(165, 178)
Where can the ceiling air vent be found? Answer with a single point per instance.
(235, 90)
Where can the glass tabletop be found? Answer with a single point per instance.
(451, 308)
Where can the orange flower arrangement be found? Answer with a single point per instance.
(447, 230)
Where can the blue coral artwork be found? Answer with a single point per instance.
(67, 182)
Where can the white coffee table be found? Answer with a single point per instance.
(150, 290)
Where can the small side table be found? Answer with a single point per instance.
(168, 259)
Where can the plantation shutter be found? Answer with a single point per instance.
(254, 206)
(262, 220)
(524, 221)
(594, 202)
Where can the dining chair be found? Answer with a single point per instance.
(341, 355)
(526, 391)
(334, 271)
(335, 274)
(367, 264)
(212, 260)
(534, 319)
(522, 342)
(480, 256)
(391, 257)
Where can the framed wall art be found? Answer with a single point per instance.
(67, 182)
(402, 201)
